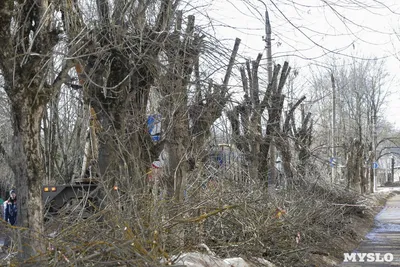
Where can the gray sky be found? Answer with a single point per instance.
(309, 32)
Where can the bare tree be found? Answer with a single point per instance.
(187, 117)
(120, 65)
(246, 119)
(359, 100)
(303, 140)
(28, 36)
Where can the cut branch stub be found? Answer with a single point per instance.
(178, 24)
(198, 94)
(284, 74)
(244, 81)
(190, 25)
(255, 84)
(250, 78)
(230, 66)
(266, 102)
(163, 15)
(203, 115)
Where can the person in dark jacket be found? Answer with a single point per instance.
(10, 208)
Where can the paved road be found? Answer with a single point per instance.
(383, 239)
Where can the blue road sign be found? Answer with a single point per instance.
(375, 165)
(332, 162)
(154, 126)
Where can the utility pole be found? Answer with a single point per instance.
(272, 150)
(268, 42)
(374, 140)
(333, 139)
(392, 170)
(374, 154)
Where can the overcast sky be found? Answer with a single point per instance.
(311, 31)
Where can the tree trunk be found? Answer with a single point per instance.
(284, 147)
(354, 166)
(372, 174)
(27, 114)
(255, 137)
(178, 166)
(273, 174)
(28, 38)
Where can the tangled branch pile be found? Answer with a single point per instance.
(287, 228)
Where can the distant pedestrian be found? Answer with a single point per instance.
(10, 208)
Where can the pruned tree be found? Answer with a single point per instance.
(187, 121)
(29, 33)
(246, 119)
(6, 175)
(120, 64)
(303, 140)
(284, 140)
(360, 94)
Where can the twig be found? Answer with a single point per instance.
(291, 251)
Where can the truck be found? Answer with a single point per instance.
(82, 193)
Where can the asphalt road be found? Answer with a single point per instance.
(384, 239)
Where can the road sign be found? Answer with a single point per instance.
(332, 162)
(154, 126)
(375, 165)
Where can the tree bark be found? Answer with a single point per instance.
(355, 166)
(27, 113)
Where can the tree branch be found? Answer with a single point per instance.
(230, 66)
(265, 103)
(286, 126)
(284, 74)
(103, 11)
(255, 85)
(244, 81)
(62, 76)
(163, 16)
(6, 8)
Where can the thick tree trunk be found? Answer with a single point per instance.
(371, 172)
(355, 166)
(177, 141)
(27, 114)
(178, 147)
(107, 154)
(178, 166)
(284, 146)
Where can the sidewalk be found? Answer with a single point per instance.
(384, 238)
